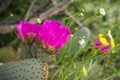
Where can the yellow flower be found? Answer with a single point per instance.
(111, 39)
(11, 14)
(103, 40)
(84, 71)
(71, 35)
(112, 43)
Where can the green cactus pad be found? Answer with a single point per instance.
(83, 31)
(7, 54)
(36, 51)
(28, 69)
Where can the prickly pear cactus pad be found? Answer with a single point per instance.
(28, 69)
(36, 51)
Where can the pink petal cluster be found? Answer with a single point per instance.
(53, 34)
(101, 47)
(27, 30)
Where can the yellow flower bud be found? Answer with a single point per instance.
(71, 35)
(84, 71)
(103, 40)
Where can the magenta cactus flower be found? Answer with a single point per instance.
(102, 44)
(54, 35)
(27, 30)
(102, 48)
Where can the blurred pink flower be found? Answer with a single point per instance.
(27, 30)
(54, 35)
(101, 47)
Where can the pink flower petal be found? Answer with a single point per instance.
(26, 30)
(54, 34)
(105, 49)
(101, 47)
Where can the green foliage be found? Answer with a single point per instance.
(29, 69)
(17, 8)
(72, 58)
(4, 39)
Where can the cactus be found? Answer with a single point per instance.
(35, 51)
(32, 67)
(27, 69)
(83, 31)
(7, 54)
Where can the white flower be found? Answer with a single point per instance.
(102, 11)
(39, 21)
(82, 43)
(109, 34)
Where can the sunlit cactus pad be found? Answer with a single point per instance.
(7, 54)
(29, 69)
